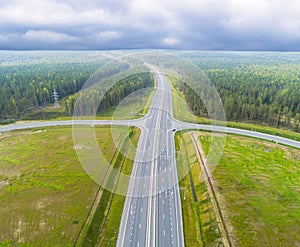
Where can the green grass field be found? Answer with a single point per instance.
(260, 182)
(45, 194)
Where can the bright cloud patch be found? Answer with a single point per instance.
(48, 36)
(170, 41)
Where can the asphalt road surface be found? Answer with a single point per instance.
(152, 211)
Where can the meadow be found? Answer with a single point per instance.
(45, 194)
(260, 183)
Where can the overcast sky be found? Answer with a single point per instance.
(172, 24)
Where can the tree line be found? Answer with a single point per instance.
(96, 99)
(256, 94)
(25, 89)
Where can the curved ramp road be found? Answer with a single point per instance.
(64, 123)
(249, 133)
(152, 212)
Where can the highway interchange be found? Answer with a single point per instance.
(152, 212)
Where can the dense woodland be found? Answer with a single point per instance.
(94, 100)
(27, 87)
(260, 88)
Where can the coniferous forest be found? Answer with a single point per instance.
(28, 80)
(255, 87)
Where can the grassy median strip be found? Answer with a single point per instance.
(103, 228)
(111, 230)
(199, 221)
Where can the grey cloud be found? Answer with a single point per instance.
(190, 24)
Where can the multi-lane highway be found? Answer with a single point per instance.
(152, 211)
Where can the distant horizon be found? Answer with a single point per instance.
(153, 49)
